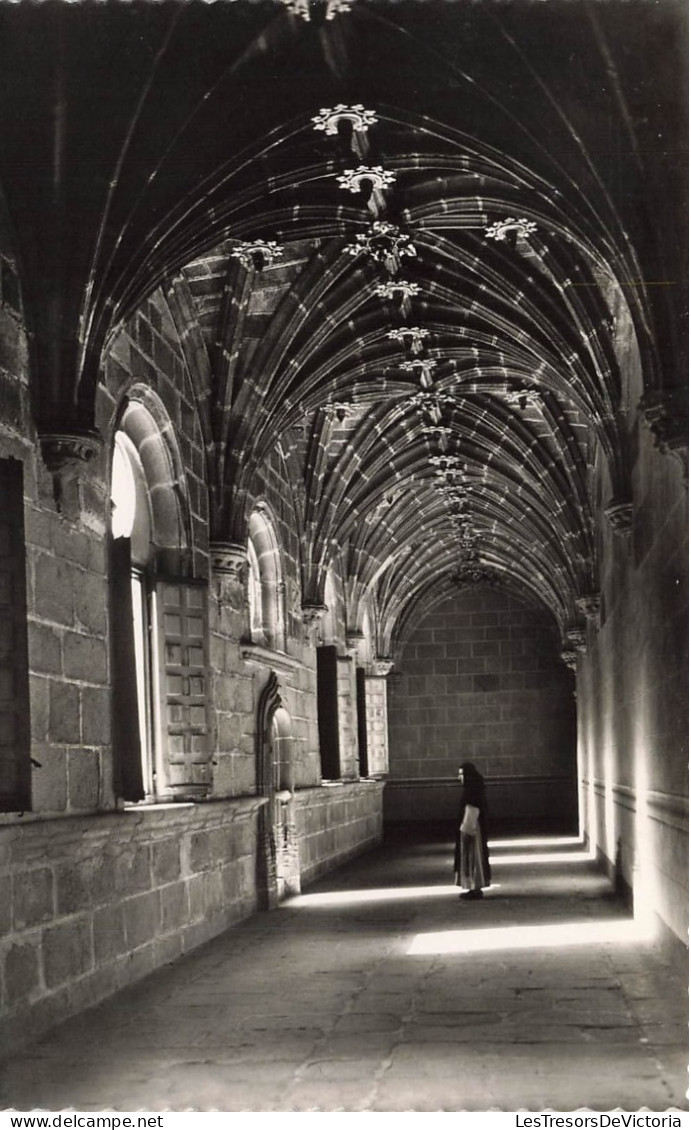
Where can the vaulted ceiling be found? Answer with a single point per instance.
(418, 245)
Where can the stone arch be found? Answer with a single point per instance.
(278, 866)
(157, 612)
(266, 583)
(145, 429)
(329, 624)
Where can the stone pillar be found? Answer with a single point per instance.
(347, 719)
(376, 705)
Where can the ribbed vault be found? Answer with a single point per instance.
(435, 315)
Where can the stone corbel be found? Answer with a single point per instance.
(382, 666)
(229, 567)
(589, 605)
(666, 414)
(620, 515)
(312, 614)
(354, 637)
(570, 658)
(66, 456)
(575, 640)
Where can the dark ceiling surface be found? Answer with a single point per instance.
(142, 144)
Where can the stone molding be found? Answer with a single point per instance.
(229, 559)
(312, 613)
(500, 230)
(575, 639)
(359, 118)
(589, 605)
(265, 657)
(410, 336)
(66, 456)
(570, 658)
(385, 243)
(403, 287)
(620, 515)
(665, 808)
(352, 179)
(301, 8)
(88, 830)
(67, 453)
(353, 639)
(257, 253)
(666, 414)
(452, 782)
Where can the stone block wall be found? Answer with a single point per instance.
(632, 693)
(480, 679)
(335, 823)
(91, 897)
(67, 598)
(148, 352)
(90, 904)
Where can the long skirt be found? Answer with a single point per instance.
(473, 871)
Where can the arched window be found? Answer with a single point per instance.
(265, 587)
(328, 625)
(254, 594)
(157, 615)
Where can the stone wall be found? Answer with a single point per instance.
(632, 694)
(90, 904)
(335, 823)
(93, 897)
(480, 679)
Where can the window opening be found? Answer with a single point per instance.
(327, 713)
(158, 622)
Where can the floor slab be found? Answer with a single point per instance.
(378, 990)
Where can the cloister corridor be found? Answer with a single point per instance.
(377, 990)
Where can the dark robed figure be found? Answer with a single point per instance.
(471, 859)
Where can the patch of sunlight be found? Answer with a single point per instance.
(378, 894)
(543, 857)
(557, 936)
(537, 841)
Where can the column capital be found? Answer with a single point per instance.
(66, 455)
(382, 666)
(354, 637)
(229, 560)
(312, 613)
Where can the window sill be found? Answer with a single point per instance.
(266, 657)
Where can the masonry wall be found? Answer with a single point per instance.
(335, 823)
(92, 903)
(632, 693)
(480, 680)
(92, 895)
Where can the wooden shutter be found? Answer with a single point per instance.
(327, 712)
(361, 721)
(183, 766)
(15, 772)
(127, 754)
(377, 732)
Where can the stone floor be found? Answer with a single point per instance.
(377, 990)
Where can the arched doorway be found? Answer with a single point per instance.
(283, 814)
(278, 850)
